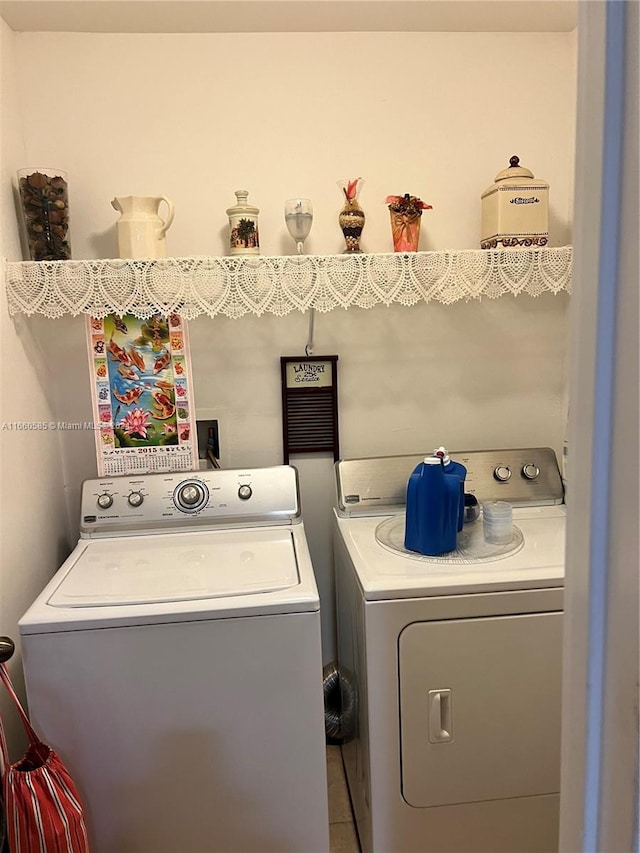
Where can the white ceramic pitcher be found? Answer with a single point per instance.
(141, 230)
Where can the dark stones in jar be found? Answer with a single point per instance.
(44, 200)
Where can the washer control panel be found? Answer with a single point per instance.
(159, 502)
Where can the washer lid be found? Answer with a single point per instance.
(179, 567)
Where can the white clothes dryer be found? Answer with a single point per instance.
(455, 661)
(174, 662)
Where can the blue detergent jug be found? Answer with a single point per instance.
(454, 469)
(431, 525)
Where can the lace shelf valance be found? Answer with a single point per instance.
(239, 285)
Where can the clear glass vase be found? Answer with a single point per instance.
(44, 204)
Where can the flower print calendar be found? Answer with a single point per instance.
(142, 394)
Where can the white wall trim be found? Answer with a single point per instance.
(600, 698)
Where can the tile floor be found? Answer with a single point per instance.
(343, 837)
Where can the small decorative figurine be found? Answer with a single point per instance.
(406, 212)
(351, 216)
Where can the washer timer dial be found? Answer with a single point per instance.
(191, 496)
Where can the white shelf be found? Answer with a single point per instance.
(253, 284)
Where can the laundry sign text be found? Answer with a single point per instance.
(304, 374)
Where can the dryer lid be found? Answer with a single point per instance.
(179, 567)
(385, 574)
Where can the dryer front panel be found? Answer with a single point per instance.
(480, 708)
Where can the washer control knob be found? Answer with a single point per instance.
(135, 499)
(245, 492)
(502, 473)
(191, 494)
(105, 500)
(530, 471)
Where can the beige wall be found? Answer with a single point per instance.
(32, 508)
(196, 117)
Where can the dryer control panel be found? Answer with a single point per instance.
(522, 476)
(182, 501)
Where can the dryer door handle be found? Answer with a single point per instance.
(440, 716)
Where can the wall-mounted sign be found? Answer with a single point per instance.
(309, 405)
(309, 373)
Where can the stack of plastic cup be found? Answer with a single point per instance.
(497, 520)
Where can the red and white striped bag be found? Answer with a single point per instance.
(43, 810)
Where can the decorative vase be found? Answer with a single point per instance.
(44, 202)
(351, 217)
(405, 212)
(405, 230)
(244, 238)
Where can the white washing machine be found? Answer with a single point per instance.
(174, 662)
(455, 661)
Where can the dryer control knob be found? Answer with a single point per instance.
(135, 499)
(245, 492)
(105, 500)
(530, 471)
(502, 473)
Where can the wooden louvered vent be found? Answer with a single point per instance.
(309, 405)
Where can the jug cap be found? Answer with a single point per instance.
(442, 453)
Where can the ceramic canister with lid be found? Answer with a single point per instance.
(515, 210)
(243, 226)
